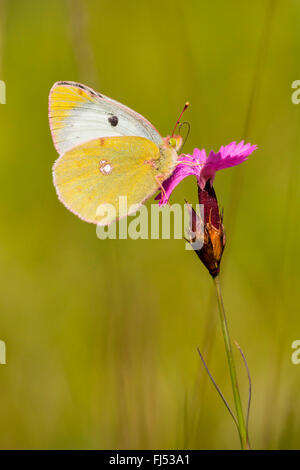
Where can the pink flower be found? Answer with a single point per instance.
(204, 167)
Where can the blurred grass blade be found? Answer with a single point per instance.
(217, 388)
(250, 386)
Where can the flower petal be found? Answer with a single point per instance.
(203, 167)
(181, 171)
(231, 155)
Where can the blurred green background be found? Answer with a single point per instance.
(101, 336)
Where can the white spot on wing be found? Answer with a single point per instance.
(105, 167)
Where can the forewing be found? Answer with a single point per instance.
(99, 171)
(78, 114)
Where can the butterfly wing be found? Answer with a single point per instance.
(78, 114)
(99, 171)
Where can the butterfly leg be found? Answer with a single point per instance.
(159, 180)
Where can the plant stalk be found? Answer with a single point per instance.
(235, 388)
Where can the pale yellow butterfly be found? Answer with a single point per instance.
(106, 150)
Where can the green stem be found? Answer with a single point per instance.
(235, 388)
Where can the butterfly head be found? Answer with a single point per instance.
(174, 141)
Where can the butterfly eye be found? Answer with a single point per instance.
(172, 142)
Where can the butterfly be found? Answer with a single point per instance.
(106, 150)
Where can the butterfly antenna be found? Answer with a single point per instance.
(188, 132)
(178, 120)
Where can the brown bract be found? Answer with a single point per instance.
(213, 247)
(210, 232)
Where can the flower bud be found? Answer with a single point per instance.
(207, 236)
